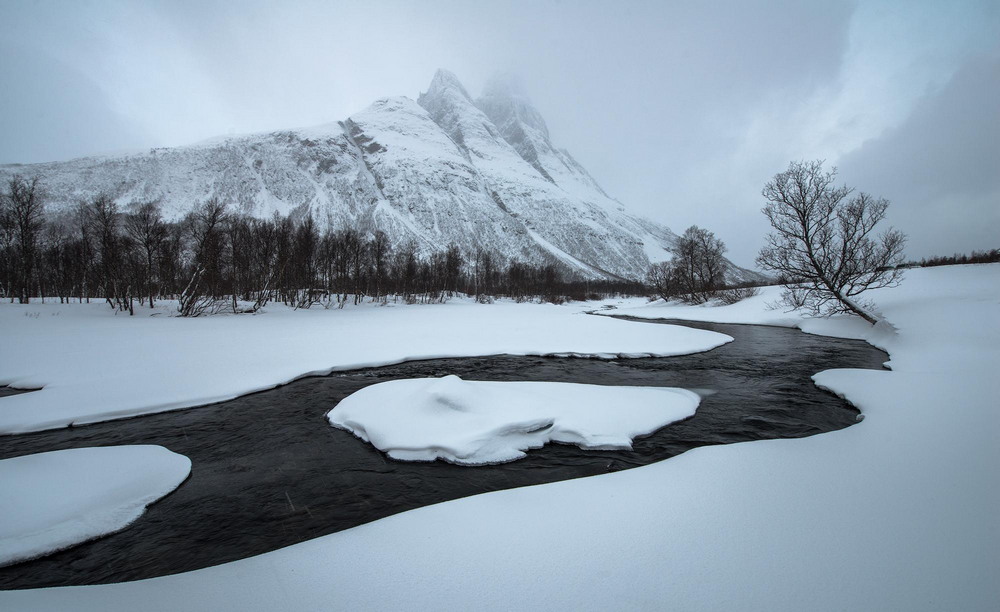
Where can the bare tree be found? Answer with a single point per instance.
(518, 280)
(379, 248)
(115, 251)
(823, 244)
(452, 268)
(84, 249)
(145, 226)
(483, 273)
(192, 302)
(207, 226)
(240, 231)
(7, 250)
(357, 252)
(170, 260)
(698, 263)
(56, 261)
(347, 262)
(24, 210)
(305, 245)
(665, 279)
(405, 269)
(712, 264)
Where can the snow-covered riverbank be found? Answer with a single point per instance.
(94, 366)
(900, 512)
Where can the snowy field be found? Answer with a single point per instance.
(92, 365)
(59, 499)
(901, 512)
(478, 423)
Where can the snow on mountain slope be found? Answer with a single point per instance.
(446, 170)
(569, 224)
(258, 175)
(525, 129)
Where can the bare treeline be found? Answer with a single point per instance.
(215, 260)
(977, 257)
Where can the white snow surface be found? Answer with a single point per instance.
(899, 512)
(478, 423)
(56, 500)
(762, 309)
(92, 365)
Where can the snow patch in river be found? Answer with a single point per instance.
(478, 423)
(56, 500)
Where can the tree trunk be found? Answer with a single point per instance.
(856, 309)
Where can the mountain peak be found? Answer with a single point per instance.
(444, 81)
(451, 107)
(504, 101)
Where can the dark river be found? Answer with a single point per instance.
(268, 471)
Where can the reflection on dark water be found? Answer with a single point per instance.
(269, 472)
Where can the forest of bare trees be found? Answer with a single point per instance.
(215, 260)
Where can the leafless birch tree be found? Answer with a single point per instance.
(823, 245)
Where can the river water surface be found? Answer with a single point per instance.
(268, 471)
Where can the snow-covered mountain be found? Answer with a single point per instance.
(444, 169)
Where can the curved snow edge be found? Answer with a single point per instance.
(127, 413)
(60, 499)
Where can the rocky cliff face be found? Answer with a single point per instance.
(446, 169)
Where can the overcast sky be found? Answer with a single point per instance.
(681, 110)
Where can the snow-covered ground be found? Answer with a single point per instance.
(901, 512)
(52, 501)
(762, 309)
(94, 366)
(477, 423)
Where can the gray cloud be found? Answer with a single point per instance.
(940, 166)
(52, 111)
(681, 110)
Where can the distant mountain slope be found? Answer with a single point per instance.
(443, 170)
